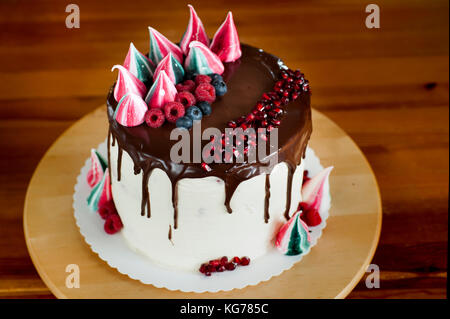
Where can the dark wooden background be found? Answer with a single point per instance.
(387, 88)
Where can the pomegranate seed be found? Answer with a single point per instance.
(214, 262)
(250, 117)
(232, 124)
(286, 93)
(223, 260)
(269, 128)
(230, 266)
(279, 83)
(260, 107)
(206, 167)
(290, 80)
(272, 95)
(220, 268)
(279, 90)
(285, 100)
(297, 73)
(211, 268)
(284, 75)
(294, 95)
(305, 87)
(203, 268)
(245, 261)
(237, 260)
(298, 82)
(244, 126)
(297, 87)
(288, 87)
(276, 122)
(265, 96)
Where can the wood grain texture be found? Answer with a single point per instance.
(387, 88)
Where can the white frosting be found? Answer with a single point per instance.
(205, 229)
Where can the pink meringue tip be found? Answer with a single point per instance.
(194, 32)
(202, 60)
(106, 192)
(160, 47)
(293, 237)
(139, 65)
(313, 190)
(98, 167)
(162, 91)
(171, 67)
(226, 42)
(130, 110)
(101, 193)
(127, 83)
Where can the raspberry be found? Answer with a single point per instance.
(113, 224)
(205, 92)
(106, 209)
(186, 98)
(201, 78)
(173, 111)
(187, 85)
(154, 118)
(311, 217)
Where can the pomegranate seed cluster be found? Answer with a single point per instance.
(266, 114)
(268, 111)
(223, 264)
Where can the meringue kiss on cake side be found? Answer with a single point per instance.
(181, 215)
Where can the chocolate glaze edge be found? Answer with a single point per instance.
(294, 134)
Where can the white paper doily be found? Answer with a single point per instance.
(114, 250)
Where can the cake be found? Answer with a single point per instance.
(183, 214)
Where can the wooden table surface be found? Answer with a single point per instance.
(387, 88)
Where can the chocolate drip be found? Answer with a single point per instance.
(266, 199)
(291, 170)
(170, 232)
(119, 162)
(109, 153)
(113, 139)
(145, 203)
(175, 205)
(254, 73)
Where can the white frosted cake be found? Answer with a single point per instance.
(196, 202)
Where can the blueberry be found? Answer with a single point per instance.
(184, 122)
(216, 77)
(194, 113)
(220, 86)
(205, 107)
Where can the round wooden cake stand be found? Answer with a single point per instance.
(330, 270)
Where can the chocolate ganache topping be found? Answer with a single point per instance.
(247, 79)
